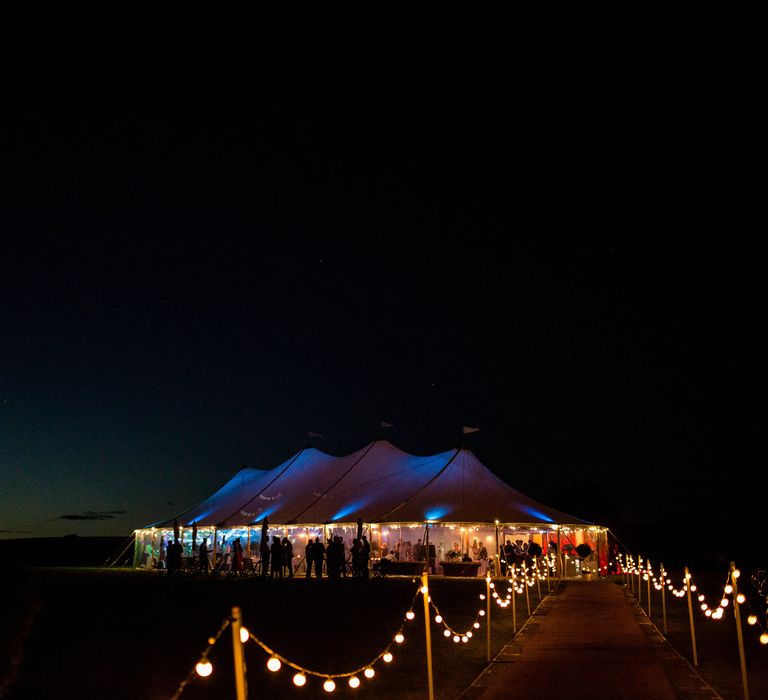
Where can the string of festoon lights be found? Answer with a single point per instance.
(203, 667)
(449, 632)
(276, 661)
(711, 611)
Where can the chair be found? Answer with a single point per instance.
(380, 568)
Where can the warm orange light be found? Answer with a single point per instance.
(354, 682)
(204, 668)
(369, 672)
(273, 664)
(245, 635)
(329, 686)
(299, 680)
(387, 657)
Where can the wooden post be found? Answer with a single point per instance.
(514, 595)
(737, 614)
(427, 627)
(538, 577)
(241, 686)
(662, 573)
(648, 574)
(639, 580)
(488, 615)
(690, 616)
(525, 583)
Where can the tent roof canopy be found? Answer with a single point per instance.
(379, 484)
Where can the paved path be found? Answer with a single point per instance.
(591, 640)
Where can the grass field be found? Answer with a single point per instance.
(119, 633)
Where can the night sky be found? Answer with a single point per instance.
(204, 259)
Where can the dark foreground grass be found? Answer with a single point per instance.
(107, 633)
(118, 633)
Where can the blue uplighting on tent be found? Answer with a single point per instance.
(537, 514)
(351, 508)
(199, 518)
(436, 514)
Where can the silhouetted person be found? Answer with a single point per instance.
(205, 563)
(173, 558)
(264, 552)
(366, 556)
(308, 558)
(276, 557)
(287, 556)
(357, 558)
(318, 556)
(238, 565)
(333, 558)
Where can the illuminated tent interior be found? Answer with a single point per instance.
(395, 494)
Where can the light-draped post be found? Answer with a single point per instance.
(639, 580)
(648, 578)
(514, 594)
(734, 572)
(663, 576)
(241, 687)
(538, 577)
(488, 615)
(690, 616)
(427, 626)
(525, 583)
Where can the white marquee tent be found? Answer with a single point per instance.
(392, 492)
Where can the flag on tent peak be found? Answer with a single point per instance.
(466, 430)
(384, 424)
(311, 434)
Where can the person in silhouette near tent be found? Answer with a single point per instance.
(276, 558)
(264, 551)
(318, 556)
(309, 557)
(205, 562)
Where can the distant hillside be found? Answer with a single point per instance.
(71, 550)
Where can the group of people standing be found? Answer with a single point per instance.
(276, 558)
(519, 553)
(335, 557)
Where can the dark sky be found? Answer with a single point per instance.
(203, 260)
